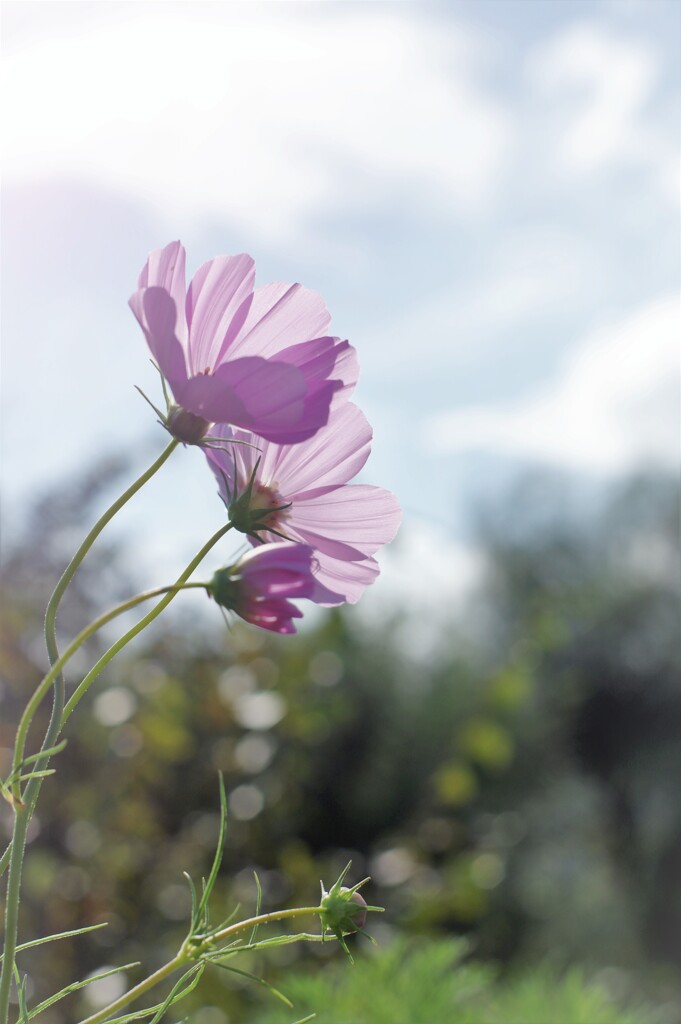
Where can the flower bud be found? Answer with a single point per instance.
(259, 585)
(186, 426)
(343, 911)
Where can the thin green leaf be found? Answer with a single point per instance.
(254, 977)
(208, 887)
(21, 995)
(37, 775)
(192, 890)
(258, 904)
(274, 940)
(176, 993)
(48, 752)
(135, 1015)
(77, 985)
(306, 1019)
(58, 935)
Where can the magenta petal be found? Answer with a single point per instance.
(273, 395)
(281, 315)
(285, 582)
(346, 370)
(340, 581)
(165, 269)
(156, 314)
(295, 557)
(257, 394)
(333, 456)
(316, 406)
(218, 301)
(275, 614)
(325, 359)
(355, 517)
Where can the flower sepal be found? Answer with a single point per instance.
(343, 911)
(185, 426)
(224, 588)
(247, 515)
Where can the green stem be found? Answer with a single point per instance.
(22, 817)
(23, 814)
(54, 726)
(84, 686)
(70, 571)
(253, 922)
(59, 664)
(68, 574)
(187, 954)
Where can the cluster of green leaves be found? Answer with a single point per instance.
(431, 982)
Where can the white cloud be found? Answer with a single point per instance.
(265, 115)
(594, 87)
(533, 273)
(427, 576)
(615, 404)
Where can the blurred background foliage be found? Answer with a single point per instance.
(515, 785)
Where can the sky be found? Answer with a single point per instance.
(485, 193)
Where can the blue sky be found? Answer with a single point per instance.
(486, 194)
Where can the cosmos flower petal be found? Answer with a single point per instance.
(340, 581)
(330, 458)
(156, 314)
(334, 455)
(210, 396)
(281, 315)
(346, 370)
(358, 517)
(325, 358)
(321, 538)
(165, 268)
(278, 570)
(259, 585)
(251, 392)
(295, 557)
(274, 614)
(218, 301)
(344, 523)
(222, 319)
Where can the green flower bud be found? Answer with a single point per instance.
(343, 911)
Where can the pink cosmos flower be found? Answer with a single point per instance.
(259, 358)
(301, 494)
(259, 585)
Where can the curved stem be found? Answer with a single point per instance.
(70, 571)
(84, 635)
(22, 818)
(23, 814)
(68, 574)
(84, 686)
(253, 922)
(186, 955)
